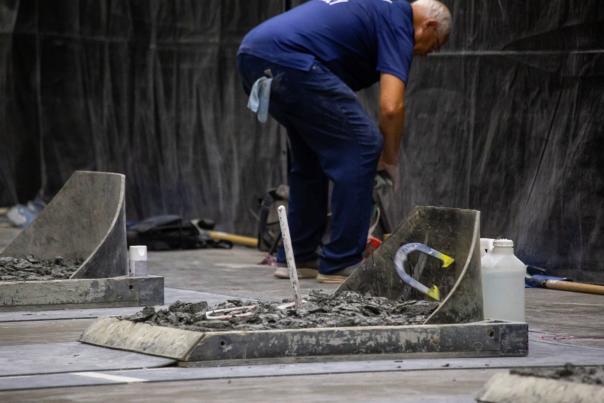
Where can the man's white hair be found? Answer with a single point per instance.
(439, 12)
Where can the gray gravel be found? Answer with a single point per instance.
(32, 269)
(319, 311)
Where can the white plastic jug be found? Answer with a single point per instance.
(503, 283)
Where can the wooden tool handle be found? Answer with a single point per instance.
(576, 287)
(236, 239)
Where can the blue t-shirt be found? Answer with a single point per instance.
(356, 39)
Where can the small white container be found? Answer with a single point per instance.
(503, 283)
(137, 266)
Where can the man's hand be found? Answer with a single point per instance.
(391, 172)
(392, 116)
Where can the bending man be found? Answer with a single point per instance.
(317, 55)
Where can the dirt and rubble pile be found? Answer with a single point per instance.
(319, 310)
(569, 373)
(33, 269)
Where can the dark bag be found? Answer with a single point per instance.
(169, 232)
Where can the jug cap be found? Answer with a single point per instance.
(503, 243)
(138, 252)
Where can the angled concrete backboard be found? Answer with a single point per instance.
(85, 220)
(454, 232)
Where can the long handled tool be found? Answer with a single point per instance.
(236, 239)
(563, 284)
(576, 287)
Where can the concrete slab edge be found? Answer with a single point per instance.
(101, 292)
(472, 339)
(481, 339)
(505, 387)
(142, 338)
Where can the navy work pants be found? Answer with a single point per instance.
(331, 139)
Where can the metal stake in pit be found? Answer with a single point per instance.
(289, 255)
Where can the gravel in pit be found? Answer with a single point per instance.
(569, 373)
(32, 269)
(319, 310)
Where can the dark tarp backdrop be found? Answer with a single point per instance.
(508, 118)
(146, 88)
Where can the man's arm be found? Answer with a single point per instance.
(392, 116)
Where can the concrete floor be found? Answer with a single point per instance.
(41, 360)
(420, 386)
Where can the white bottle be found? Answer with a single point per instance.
(138, 261)
(503, 283)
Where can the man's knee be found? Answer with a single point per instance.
(374, 146)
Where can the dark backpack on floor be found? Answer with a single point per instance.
(170, 232)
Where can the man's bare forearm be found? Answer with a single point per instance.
(391, 116)
(391, 126)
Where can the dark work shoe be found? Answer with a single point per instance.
(337, 277)
(305, 270)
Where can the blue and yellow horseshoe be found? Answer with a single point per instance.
(401, 258)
